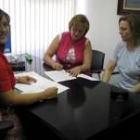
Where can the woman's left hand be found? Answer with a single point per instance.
(75, 71)
(26, 80)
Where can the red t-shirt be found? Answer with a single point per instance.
(7, 79)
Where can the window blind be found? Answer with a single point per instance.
(34, 23)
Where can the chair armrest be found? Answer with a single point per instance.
(97, 70)
(115, 72)
(5, 125)
(47, 67)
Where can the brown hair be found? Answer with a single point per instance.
(134, 24)
(79, 19)
(2, 13)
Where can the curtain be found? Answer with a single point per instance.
(34, 23)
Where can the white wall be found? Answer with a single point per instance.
(103, 18)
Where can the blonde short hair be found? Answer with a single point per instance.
(79, 19)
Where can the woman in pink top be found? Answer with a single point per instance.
(72, 49)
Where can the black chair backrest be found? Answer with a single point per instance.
(97, 61)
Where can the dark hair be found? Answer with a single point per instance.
(2, 13)
(79, 19)
(134, 24)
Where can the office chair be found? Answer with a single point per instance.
(4, 127)
(97, 62)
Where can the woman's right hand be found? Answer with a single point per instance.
(57, 66)
(51, 93)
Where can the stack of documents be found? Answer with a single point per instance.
(40, 85)
(62, 75)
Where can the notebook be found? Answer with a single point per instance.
(40, 85)
(62, 75)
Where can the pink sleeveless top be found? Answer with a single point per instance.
(65, 46)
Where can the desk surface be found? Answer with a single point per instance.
(85, 110)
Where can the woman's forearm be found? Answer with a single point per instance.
(14, 98)
(106, 76)
(48, 60)
(108, 71)
(84, 67)
(135, 88)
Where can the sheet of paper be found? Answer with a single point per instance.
(40, 85)
(62, 75)
(59, 75)
(87, 77)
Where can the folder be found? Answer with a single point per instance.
(40, 85)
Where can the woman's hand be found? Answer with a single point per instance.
(25, 80)
(75, 71)
(57, 66)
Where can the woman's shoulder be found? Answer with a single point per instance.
(119, 49)
(63, 34)
(120, 46)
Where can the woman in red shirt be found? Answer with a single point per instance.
(8, 97)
